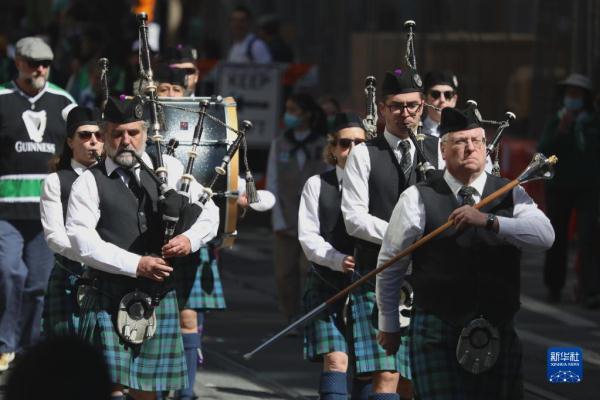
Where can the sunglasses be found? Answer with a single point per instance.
(346, 143)
(37, 63)
(87, 135)
(448, 94)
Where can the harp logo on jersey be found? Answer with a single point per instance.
(35, 122)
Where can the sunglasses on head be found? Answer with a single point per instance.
(87, 135)
(448, 94)
(37, 63)
(346, 143)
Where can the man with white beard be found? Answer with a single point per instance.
(32, 130)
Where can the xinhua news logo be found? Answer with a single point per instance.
(564, 365)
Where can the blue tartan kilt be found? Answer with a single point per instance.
(197, 282)
(158, 363)
(61, 312)
(437, 374)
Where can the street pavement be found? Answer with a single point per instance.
(279, 372)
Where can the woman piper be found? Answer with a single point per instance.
(82, 146)
(326, 244)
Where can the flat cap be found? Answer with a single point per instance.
(34, 48)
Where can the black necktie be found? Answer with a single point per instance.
(406, 161)
(467, 192)
(133, 184)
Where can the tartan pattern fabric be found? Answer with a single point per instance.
(327, 332)
(199, 288)
(369, 355)
(157, 364)
(437, 374)
(61, 312)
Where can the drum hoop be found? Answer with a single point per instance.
(231, 210)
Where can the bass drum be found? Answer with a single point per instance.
(178, 117)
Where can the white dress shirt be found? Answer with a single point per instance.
(527, 229)
(51, 211)
(272, 178)
(315, 247)
(355, 197)
(259, 50)
(83, 214)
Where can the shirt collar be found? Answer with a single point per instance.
(77, 166)
(31, 99)
(111, 166)
(394, 140)
(455, 185)
(430, 125)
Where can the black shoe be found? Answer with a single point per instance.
(553, 296)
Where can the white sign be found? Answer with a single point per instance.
(256, 89)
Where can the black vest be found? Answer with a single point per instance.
(386, 183)
(132, 224)
(460, 275)
(66, 177)
(331, 223)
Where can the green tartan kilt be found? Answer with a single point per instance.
(61, 312)
(437, 374)
(328, 332)
(197, 282)
(155, 365)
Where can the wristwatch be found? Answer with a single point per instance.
(489, 222)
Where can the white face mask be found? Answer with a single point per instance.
(573, 103)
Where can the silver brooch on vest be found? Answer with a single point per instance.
(136, 317)
(478, 346)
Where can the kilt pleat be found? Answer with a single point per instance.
(61, 312)
(155, 365)
(197, 282)
(437, 374)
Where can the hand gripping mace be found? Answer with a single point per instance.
(539, 168)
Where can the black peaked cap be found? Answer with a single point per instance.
(346, 120)
(123, 111)
(433, 78)
(454, 120)
(165, 74)
(401, 81)
(79, 116)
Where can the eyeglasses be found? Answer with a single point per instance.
(448, 94)
(346, 143)
(87, 135)
(411, 107)
(37, 63)
(476, 142)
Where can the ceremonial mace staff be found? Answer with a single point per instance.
(539, 168)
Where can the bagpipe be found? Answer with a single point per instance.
(540, 167)
(179, 209)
